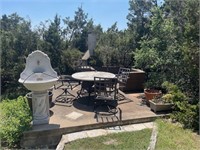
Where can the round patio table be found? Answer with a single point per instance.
(88, 78)
(89, 75)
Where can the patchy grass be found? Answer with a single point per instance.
(173, 136)
(138, 140)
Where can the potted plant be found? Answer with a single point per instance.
(151, 91)
(162, 103)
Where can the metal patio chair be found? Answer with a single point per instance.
(67, 84)
(105, 90)
(122, 77)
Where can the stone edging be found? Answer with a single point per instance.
(153, 139)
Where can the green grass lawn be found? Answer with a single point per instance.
(174, 137)
(170, 137)
(137, 140)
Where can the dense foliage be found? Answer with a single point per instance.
(15, 118)
(162, 40)
(170, 52)
(183, 111)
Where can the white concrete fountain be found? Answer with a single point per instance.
(38, 76)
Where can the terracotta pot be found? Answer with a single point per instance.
(151, 94)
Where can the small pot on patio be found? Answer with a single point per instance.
(29, 98)
(162, 103)
(50, 98)
(151, 94)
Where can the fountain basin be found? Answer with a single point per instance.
(38, 82)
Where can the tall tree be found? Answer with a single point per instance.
(171, 48)
(75, 28)
(53, 43)
(138, 19)
(17, 41)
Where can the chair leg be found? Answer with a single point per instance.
(86, 87)
(80, 92)
(113, 110)
(63, 97)
(66, 93)
(64, 100)
(110, 109)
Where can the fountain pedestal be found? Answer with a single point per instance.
(40, 103)
(38, 76)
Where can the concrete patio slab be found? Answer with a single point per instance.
(80, 116)
(74, 115)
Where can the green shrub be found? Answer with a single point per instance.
(183, 112)
(170, 87)
(15, 118)
(186, 114)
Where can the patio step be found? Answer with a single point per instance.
(48, 136)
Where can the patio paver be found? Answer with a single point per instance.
(77, 135)
(74, 115)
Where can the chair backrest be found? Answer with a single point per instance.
(123, 75)
(63, 77)
(105, 88)
(65, 80)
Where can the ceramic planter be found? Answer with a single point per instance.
(151, 94)
(160, 106)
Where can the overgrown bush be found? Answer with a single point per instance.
(187, 114)
(183, 112)
(15, 118)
